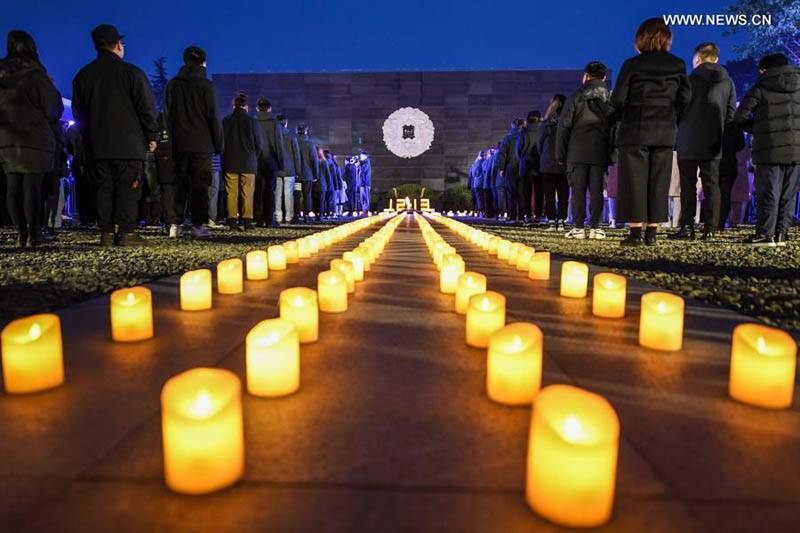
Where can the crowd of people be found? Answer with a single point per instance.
(133, 164)
(655, 134)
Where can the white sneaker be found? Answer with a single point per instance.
(597, 234)
(175, 231)
(213, 224)
(612, 224)
(560, 226)
(551, 227)
(576, 233)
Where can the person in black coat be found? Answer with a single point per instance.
(284, 188)
(365, 188)
(475, 180)
(771, 111)
(508, 167)
(269, 165)
(584, 141)
(700, 139)
(114, 106)
(732, 143)
(243, 147)
(165, 173)
(554, 176)
(350, 180)
(85, 198)
(531, 190)
(309, 169)
(321, 185)
(650, 96)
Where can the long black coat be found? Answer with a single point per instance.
(165, 164)
(771, 110)
(650, 97)
(584, 128)
(272, 135)
(546, 144)
(712, 106)
(507, 158)
(366, 173)
(309, 161)
(291, 153)
(527, 150)
(243, 144)
(191, 113)
(732, 142)
(350, 176)
(115, 109)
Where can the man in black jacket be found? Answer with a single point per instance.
(771, 110)
(284, 188)
(583, 141)
(243, 147)
(309, 169)
(270, 163)
(191, 116)
(508, 167)
(114, 106)
(700, 132)
(350, 180)
(530, 190)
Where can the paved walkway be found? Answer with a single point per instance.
(391, 429)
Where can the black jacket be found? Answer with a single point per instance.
(115, 109)
(771, 110)
(165, 164)
(366, 173)
(528, 151)
(507, 158)
(585, 126)
(243, 143)
(271, 133)
(191, 114)
(712, 106)
(732, 142)
(309, 162)
(350, 176)
(291, 153)
(650, 97)
(546, 144)
(324, 182)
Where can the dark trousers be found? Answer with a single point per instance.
(351, 198)
(328, 202)
(500, 206)
(555, 185)
(192, 179)
(168, 203)
(308, 197)
(85, 197)
(488, 202)
(537, 195)
(726, 182)
(709, 176)
(119, 185)
(524, 196)
(776, 196)
(582, 177)
(264, 195)
(512, 194)
(643, 183)
(24, 199)
(51, 191)
(150, 207)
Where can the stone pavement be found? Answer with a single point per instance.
(391, 429)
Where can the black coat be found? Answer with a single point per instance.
(771, 110)
(366, 173)
(165, 164)
(309, 161)
(507, 158)
(272, 135)
(528, 151)
(291, 153)
(191, 113)
(115, 109)
(712, 106)
(546, 144)
(584, 128)
(243, 144)
(650, 97)
(732, 142)
(350, 176)
(324, 183)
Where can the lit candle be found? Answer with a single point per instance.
(313, 242)
(257, 268)
(358, 264)
(469, 284)
(485, 315)
(503, 249)
(332, 291)
(452, 268)
(273, 358)
(364, 253)
(539, 268)
(762, 366)
(291, 251)
(608, 296)
(493, 242)
(524, 258)
(513, 252)
(202, 430)
(346, 268)
(299, 304)
(277, 257)
(303, 248)
(661, 321)
(131, 314)
(514, 364)
(572, 457)
(196, 290)
(574, 279)
(32, 354)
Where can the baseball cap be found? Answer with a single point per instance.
(105, 35)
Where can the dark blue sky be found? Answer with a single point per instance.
(310, 36)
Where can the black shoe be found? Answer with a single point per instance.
(650, 235)
(22, 236)
(34, 237)
(708, 236)
(106, 239)
(685, 233)
(131, 239)
(759, 241)
(248, 224)
(234, 225)
(274, 224)
(634, 238)
(782, 240)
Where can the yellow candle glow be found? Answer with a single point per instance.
(364, 254)
(524, 258)
(32, 354)
(299, 304)
(539, 268)
(485, 315)
(452, 268)
(469, 284)
(493, 242)
(196, 290)
(332, 291)
(358, 264)
(291, 251)
(514, 364)
(257, 268)
(303, 248)
(277, 257)
(313, 242)
(273, 358)
(229, 276)
(574, 279)
(513, 252)
(661, 321)
(572, 457)
(608, 296)
(131, 314)
(503, 249)
(202, 430)
(346, 268)
(763, 363)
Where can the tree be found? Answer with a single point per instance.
(782, 35)
(744, 73)
(159, 79)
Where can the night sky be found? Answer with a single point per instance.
(316, 36)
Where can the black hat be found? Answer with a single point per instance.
(772, 61)
(105, 35)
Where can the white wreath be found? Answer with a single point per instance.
(393, 132)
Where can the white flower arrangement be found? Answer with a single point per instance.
(408, 132)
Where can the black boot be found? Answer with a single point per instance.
(685, 233)
(650, 235)
(234, 225)
(107, 239)
(634, 238)
(22, 236)
(34, 237)
(131, 239)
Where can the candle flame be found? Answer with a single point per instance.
(661, 307)
(201, 407)
(516, 343)
(761, 344)
(609, 284)
(485, 304)
(573, 430)
(131, 299)
(35, 331)
(298, 300)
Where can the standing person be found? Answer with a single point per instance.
(350, 180)
(475, 183)
(508, 168)
(114, 107)
(366, 181)
(243, 147)
(321, 185)
(151, 203)
(554, 177)
(732, 143)
(584, 141)
(531, 193)
(309, 169)
(84, 189)
(498, 184)
(52, 186)
(338, 185)
(192, 119)
(487, 185)
(700, 134)
(214, 192)
(269, 164)
(165, 170)
(284, 188)
(771, 110)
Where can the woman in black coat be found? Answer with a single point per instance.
(30, 109)
(554, 174)
(651, 93)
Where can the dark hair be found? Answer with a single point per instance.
(534, 115)
(302, 129)
(596, 70)
(263, 104)
(240, 100)
(653, 35)
(326, 152)
(707, 51)
(194, 55)
(772, 61)
(555, 106)
(282, 119)
(21, 45)
(517, 123)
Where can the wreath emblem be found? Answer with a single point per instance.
(408, 132)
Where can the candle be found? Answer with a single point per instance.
(292, 254)
(524, 258)
(452, 268)
(485, 315)
(299, 304)
(277, 257)
(574, 279)
(257, 268)
(346, 268)
(313, 242)
(608, 297)
(229, 276)
(131, 314)
(572, 457)
(469, 284)
(363, 253)
(762, 366)
(202, 430)
(513, 251)
(493, 242)
(332, 291)
(273, 358)
(661, 321)
(539, 268)
(32, 354)
(503, 249)
(303, 248)
(514, 364)
(358, 264)
(196, 290)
